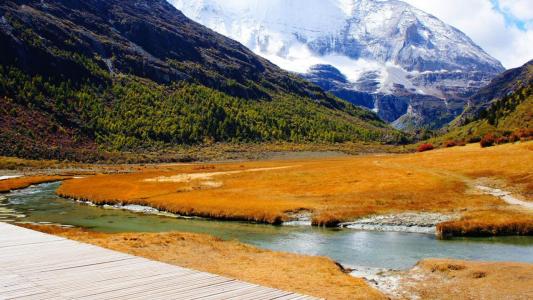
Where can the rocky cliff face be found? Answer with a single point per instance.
(147, 38)
(387, 51)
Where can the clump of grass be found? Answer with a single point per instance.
(488, 223)
(326, 220)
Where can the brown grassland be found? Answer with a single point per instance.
(455, 279)
(24, 182)
(315, 276)
(332, 190)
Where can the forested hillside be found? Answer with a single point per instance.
(501, 108)
(81, 77)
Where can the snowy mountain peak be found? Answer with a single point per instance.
(381, 46)
(384, 31)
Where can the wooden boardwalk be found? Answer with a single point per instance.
(35, 265)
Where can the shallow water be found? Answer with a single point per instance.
(349, 247)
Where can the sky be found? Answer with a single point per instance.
(503, 28)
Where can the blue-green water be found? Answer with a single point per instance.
(348, 247)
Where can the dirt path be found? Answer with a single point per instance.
(505, 196)
(188, 177)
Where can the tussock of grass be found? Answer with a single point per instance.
(488, 223)
(316, 276)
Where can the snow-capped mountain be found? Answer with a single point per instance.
(407, 65)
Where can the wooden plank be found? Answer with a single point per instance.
(175, 286)
(240, 292)
(135, 284)
(262, 295)
(150, 289)
(35, 265)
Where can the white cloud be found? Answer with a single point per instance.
(521, 9)
(493, 30)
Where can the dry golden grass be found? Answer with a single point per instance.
(332, 189)
(455, 279)
(316, 276)
(24, 182)
(488, 223)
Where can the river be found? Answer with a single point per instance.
(351, 248)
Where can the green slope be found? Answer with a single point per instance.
(79, 77)
(504, 116)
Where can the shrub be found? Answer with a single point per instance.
(474, 139)
(461, 143)
(502, 140)
(514, 138)
(488, 140)
(450, 144)
(524, 133)
(425, 147)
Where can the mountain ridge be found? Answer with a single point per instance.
(502, 107)
(121, 75)
(387, 50)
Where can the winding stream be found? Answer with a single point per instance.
(352, 248)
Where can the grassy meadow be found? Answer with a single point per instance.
(332, 190)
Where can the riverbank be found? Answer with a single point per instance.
(332, 190)
(457, 279)
(485, 223)
(318, 276)
(315, 276)
(16, 183)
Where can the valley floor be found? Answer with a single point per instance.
(456, 182)
(469, 190)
